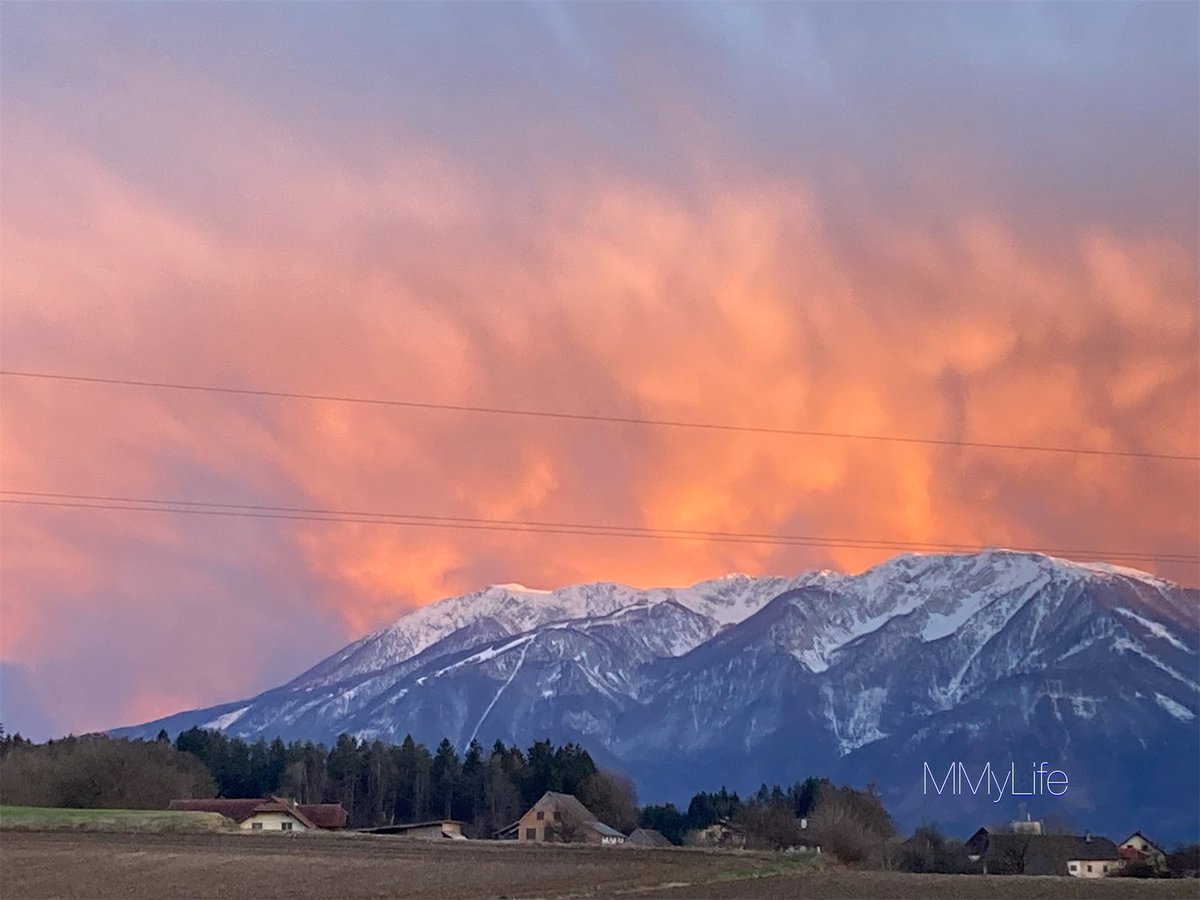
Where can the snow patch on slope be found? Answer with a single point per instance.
(1155, 628)
(1178, 710)
(484, 655)
(1121, 645)
(220, 723)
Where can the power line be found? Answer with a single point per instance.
(290, 513)
(609, 419)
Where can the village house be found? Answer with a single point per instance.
(434, 830)
(1137, 849)
(1093, 857)
(270, 813)
(1028, 851)
(561, 818)
(724, 833)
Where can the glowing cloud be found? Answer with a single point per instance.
(384, 230)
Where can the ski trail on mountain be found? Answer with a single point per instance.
(487, 712)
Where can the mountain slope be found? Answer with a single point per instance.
(998, 656)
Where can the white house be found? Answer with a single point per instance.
(269, 814)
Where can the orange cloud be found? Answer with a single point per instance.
(416, 278)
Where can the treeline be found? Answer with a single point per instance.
(850, 823)
(381, 784)
(378, 784)
(96, 772)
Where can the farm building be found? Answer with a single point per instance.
(435, 830)
(561, 818)
(1033, 853)
(647, 837)
(1137, 849)
(723, 833)
(270, 813)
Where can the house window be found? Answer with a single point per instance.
(1074, 867)
(256, 826)
(1106, 867)
(541, 815)
(531, 834)
(285, 826)
(1089, 867)
(557, 816)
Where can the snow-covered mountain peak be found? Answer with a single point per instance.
(938, 593)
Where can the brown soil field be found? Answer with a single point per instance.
(847, 885)
(109, 865)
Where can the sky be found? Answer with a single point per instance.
(964, 222)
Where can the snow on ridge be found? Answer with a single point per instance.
(488, 653)
(514, 588)
(895, 587)
(1155, 628)
(1012, 557)
(1110, 569)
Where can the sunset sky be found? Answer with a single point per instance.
(959, 222)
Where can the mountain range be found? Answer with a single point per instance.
(1000, 657)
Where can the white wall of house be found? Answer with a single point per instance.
(272, 821)
(1092, 868)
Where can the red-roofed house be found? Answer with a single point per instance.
(269, 814)
(1139, 849)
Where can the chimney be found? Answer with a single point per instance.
(1087, 837)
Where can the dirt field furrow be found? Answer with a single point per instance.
(134, 866)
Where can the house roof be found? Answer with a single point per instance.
(277, 805)
(568, 805)
(1095, 847)
(240, 809)
(647, 837)
(605, 830)
(325, 815)
(1046, 854)
(507, 830)
(978, 842)
(1144, 838)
